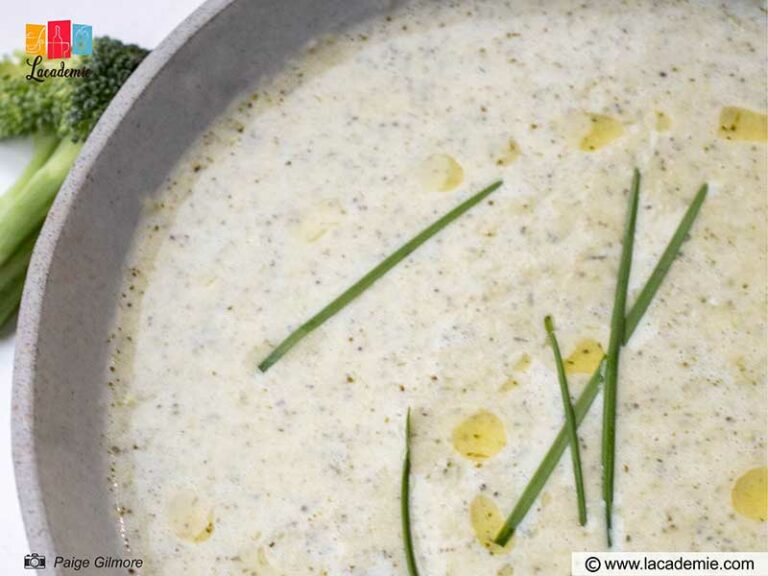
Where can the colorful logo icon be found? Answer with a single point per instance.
(35, 41)
(59, 39)
(82, 39)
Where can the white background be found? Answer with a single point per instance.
(143, 22)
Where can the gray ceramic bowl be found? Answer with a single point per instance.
(60, 395)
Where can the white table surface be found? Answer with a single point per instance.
(144, 22)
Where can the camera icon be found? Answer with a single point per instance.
(34, 562)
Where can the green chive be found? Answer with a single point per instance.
(570, 421)
(614, 348)
(588, 395)
(664, 264)
(549, 463)
(405, 501)
(366, 281)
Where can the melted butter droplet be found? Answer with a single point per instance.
(509, 155)
(480, 436)
(486, 521)
(521, 366)
(585, 358)
(663, 122)
(742, 124)
(317, 222)
(510, 384)
(523, 363)
(603, 130)
(255, 561)
(190, 519)
(750, 494)
(441, 172)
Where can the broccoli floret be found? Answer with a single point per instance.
(27, 107)
(71, 106)
(59, 113)
(111, 64)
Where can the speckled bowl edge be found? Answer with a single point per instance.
(23, 391)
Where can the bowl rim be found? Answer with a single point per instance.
(23, 430)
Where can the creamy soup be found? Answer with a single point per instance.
(314, 177)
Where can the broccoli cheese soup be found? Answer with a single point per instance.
(238, 453)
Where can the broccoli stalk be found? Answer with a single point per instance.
(10, 298)
(59, 113)
(44, 145)
(12, 277)
(27, 209)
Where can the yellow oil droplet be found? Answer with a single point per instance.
(743, 373)
(127, 401)
(510, 384)
(506, 570)
(480, 436)
(585, 358)
(750, 494)
(509, 155)
(663, 122)
(318, 221)
(255, 561)
(190, 519)
(486, 522)
(742, 124)
(523, 363)
(603, 130)
(325, 53)
(314, 234)
(441, 172)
